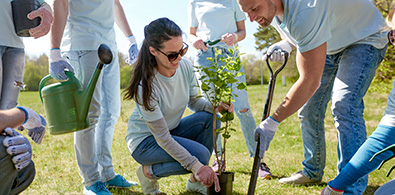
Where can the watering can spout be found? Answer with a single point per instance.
(105, 57)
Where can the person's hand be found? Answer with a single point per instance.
(198, 44)
(58, 65)
(229, 39)
(19, 147)
(226, 107)
(277, 51)
(265, 132)
(45, 13)
(133, 50)
(35, 124)
(207, 176)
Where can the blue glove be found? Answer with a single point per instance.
(19, 147)
(277, 50)
(58, 65)
(35, 125)
(133, 50)
(265, 132)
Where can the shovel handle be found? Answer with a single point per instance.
(266, 112)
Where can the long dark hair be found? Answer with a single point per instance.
(155, 33)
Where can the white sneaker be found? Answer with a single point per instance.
(329, 191)
(196, 187)
(297, 179)
(149, 186)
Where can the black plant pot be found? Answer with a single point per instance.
(20, 10)
(226, 183)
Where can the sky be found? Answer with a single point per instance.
(139, 13)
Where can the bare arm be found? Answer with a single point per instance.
(241, 30)
(120, 19)
(60, 14)
(310, 66)
(11, 118)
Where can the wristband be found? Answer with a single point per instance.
(26, 113)
(237, 36)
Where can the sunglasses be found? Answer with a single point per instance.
(173, 56)
(391, 37)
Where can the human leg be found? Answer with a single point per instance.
(84, 63)
(11, 180)
(12, 65)
(311, 117)
(357, 66)
(359, 165)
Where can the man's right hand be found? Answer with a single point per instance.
(19, 147)
(277, 51)
(58, 65)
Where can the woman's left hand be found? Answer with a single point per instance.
(225, 107)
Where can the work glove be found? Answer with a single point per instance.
(45, 13)
(265, 132)
(277, 51)
(35, 125)
(19, 147)
(58, 65)
(133, 50)
(205, 175)
(229, 39)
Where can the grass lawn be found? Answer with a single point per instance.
(57, 171)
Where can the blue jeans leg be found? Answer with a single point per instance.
(346, 78)
(194, 133)
(241, 104)
(12, 64)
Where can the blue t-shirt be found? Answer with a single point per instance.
(309, 23)
(8, 37)
(214, 18)
(170, 97)
(90, 23)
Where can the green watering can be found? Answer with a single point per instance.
(66, 104)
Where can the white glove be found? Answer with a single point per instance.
(35, 124)
(57, 65)
(19, 147)
(265, 132)
(133, 50)
(277, 50)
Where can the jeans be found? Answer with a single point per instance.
(194, 133)
(12, 65)
(359, 166)
(11, 180)
(93, 144)
(247, 121)
(345, 80)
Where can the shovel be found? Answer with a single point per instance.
(266, 113)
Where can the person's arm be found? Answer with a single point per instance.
(11, 118)
(232, 38)
(60, 14)
(120, 19)
(310, 66)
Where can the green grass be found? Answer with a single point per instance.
(57, 171)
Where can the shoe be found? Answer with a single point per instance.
(196, 187)
(298, 178)
(149, 186)
(215, 166)
(264, 171)
(330, 191)
(119, 182)
(97, 188)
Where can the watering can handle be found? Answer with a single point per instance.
(42, 84)
(49, 77)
